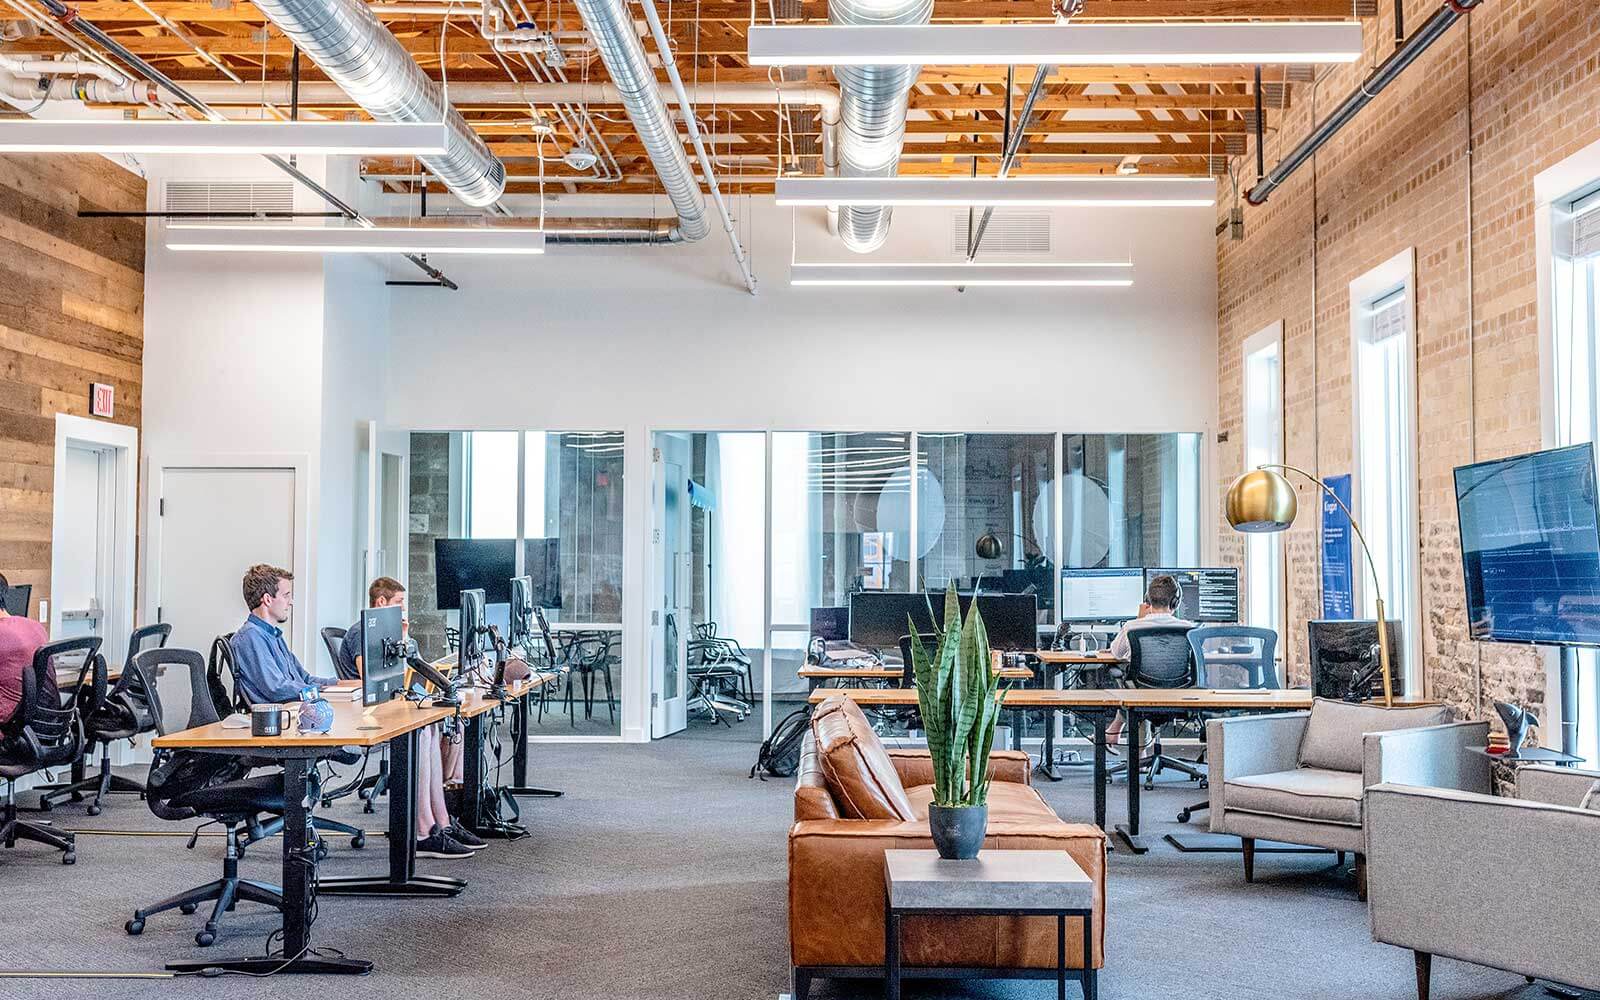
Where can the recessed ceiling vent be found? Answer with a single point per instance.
(223, 198)
(1013, 233)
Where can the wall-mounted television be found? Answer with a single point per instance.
(1530, 547)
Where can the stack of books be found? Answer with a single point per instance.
(343, 691)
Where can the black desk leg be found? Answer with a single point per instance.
(1047, 755)
(519, 760)
(402, 879)
(472, 775)
(1091, 977)
(298, 865)
(1100, 770)
(891, 952)
(1129, 832)
(1061, 956)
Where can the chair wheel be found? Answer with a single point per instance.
(1149, 786)
(358, 841)
(77, 796)
(188, 908)
(134, 926)
(1183, 816)
(69, 858)
(206, 938)
(94, 810)
(45, 805)
(322, 850)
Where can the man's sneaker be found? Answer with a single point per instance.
(440, 844)
(465, 837)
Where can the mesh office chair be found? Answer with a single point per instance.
(370, 786)
(131, 708)
(47, 731)
(1159, 657)
(1231, 657)
(185, 784)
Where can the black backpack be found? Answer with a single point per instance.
(780, 754)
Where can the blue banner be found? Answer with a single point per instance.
(1338, 587)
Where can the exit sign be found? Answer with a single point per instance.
(102, 399)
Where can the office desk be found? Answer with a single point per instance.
(396, 723)
(475, 704)
(1101, 704)
(815, 674)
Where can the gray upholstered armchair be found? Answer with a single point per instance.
(1300, 777)
(1502, 882)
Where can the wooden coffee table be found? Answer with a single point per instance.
(995, 883)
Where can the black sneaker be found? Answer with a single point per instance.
(465, 837)
(440, 844)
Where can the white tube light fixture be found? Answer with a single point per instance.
(1024, 275)
(1078, 192)
(355, 239)
(28, 135)
(1245, 42)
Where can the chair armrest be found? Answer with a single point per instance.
(1449, 872)
(1559, 786)
(915, 766)
(1431, 756)
(1249, 744)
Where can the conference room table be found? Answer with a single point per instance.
(1101, 705)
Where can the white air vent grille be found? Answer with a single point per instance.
(215, 198)
(1007, 233)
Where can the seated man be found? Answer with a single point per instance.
(20, 638)
(1160, 605)
(438, 836)
(266, 671)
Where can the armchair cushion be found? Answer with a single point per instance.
(1009, 802)
(1306, 793)
(1591, 798)
(857, 769)
(1333, 736)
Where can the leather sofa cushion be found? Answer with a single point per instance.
(1333, 734)
(1307, 793)
(1009, 802)
(858, 771)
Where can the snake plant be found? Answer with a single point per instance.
(957, 690)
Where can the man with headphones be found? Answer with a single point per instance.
(1160, 607)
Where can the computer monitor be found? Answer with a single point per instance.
(1101, 595)
(1340, 648)
(1208, 594)
(474, 631)
(488, 564)
(519, 631)
(383, 663)
(830, 624)
(17, 597)
(879, 618)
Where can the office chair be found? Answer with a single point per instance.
(131, 708)
(1231, 657)
(46, 731)
(727, 651)
(908, 677)
(186, 784)
(1159, 657)
(589, 653)
(373, 785)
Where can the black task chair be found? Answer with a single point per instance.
(47, 731)
(1159, 657)
(1231, 657)
(588, 654)
(186, 784)
(131, 708)
(370, 786)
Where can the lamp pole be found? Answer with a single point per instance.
(1372, 567)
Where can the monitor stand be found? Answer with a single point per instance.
(367, 720)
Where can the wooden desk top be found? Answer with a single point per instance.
(475, 701)
(392, 718)
(1199, 699)
(889, 673)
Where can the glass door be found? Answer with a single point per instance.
(670, 620)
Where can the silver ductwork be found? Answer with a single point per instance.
(614, 35)
(872, 115)
(357, 52)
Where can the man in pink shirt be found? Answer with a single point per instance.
(20, 636)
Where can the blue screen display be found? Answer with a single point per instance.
(1530, 547)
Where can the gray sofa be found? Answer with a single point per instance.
(1504, 882)
(1300, 777)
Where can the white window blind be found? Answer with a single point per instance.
(1586, 226)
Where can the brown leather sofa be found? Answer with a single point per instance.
(855, 799)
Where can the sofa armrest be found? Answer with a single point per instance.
(1250, 744)
(915, 766)
(1430, 756)
(1448, 872)
(1560, 786)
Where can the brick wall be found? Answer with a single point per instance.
(430, 519)
(1401, 175)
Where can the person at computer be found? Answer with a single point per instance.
(20, 638)
(1160, 608)
(266, 671)
(438, 836)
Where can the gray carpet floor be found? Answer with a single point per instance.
(661, 874)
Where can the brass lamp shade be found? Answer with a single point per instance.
(1260, 500)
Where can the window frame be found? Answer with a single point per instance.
(1268, 337)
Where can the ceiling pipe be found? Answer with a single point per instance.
(1386, 72)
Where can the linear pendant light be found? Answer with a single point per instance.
(1247, 42)
(1094, 192)
(28, 135)
(354, 239)
(1041, 275)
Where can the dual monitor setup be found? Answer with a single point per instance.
(1209, 596)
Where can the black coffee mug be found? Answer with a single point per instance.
(268, 721)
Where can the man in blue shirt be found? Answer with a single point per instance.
(266, 671)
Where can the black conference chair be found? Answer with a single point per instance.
(1159, 657)
(1231, 657)
(186, 784)
(588, 654)
(47, 731)
(370, 786)
(131, 708)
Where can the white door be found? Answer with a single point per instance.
(82, 539)
(215, 524)
(670, 620)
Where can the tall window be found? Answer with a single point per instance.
(1263, 445)
(1382, 324)
(1576, 386)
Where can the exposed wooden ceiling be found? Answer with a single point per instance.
(1169, 120)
